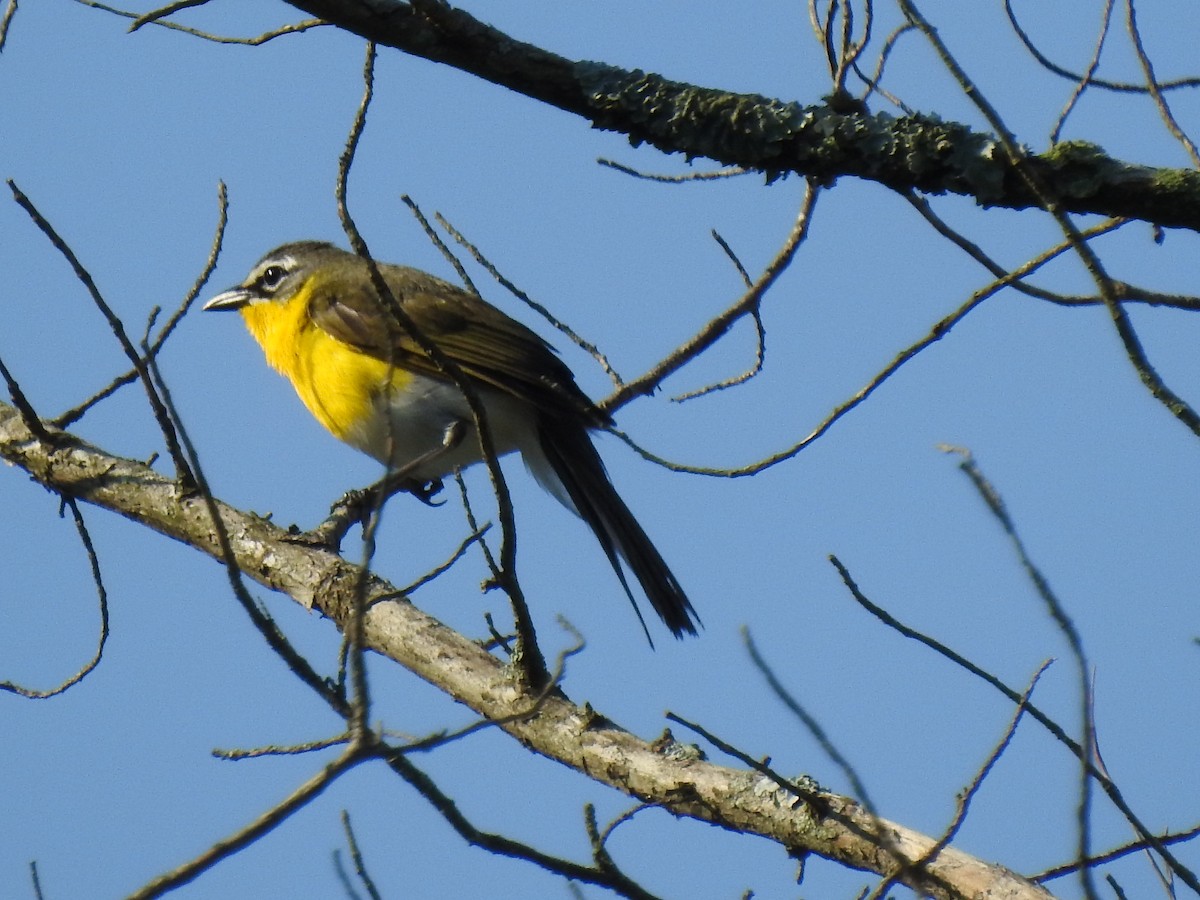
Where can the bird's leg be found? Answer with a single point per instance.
(356, 506)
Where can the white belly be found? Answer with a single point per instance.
(420, 417)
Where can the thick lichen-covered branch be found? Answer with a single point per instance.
(919, 152)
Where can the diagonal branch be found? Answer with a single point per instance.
(576, 736)
(769, 135)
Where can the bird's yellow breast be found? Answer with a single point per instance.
(340, 385)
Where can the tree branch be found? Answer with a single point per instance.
(831, 825)
(913, 152)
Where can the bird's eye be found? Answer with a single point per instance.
(271, 277)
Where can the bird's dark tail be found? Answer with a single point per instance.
(581, 476)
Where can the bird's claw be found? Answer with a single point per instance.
(355, 507)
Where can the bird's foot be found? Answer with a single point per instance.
(356, 507)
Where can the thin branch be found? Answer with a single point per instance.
(436, 240)
(296, 28)
(995, 503)
(28, 414)
(1124, 292)
(6, 23)
(409, 589)
(295, 661)
(1107, 785)
(71, 416)
(264, 824)
(562, 327)
(620, 820)
(164, 11)
(925, 209)
(182, 473)
(102, 598)
(360, 866)
(808, 721)
(356, 664)
(505, 846)
(965, 797)
(600, 855)
(1052, 67)
(1051, 203)
(1088, 74)
(237, 755)
(1094, 862)
(869, 827)
(797, 788)
(756, 367)
(1155, 90)
(340, 870)
(939, 330)
(760, 336)
(718, 175)
(874, 82)
(476, 528)
(720, 325)
(529, 657)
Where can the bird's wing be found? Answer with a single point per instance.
(486, 344)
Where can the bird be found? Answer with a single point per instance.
(315, 311)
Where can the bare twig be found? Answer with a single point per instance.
(182, 473)
(266, 626)
(808, 721)
(360, 866)
(36, 880)
(102, 596)
(267, 822)
(1050, 202)
(727, 172)
(1154, 89)
(343, 876)
(1117, 86)
(6, 21)
(939, 330)
(874, 82)
(797, 789)
(720, 325)
(532, 664)
(295, 28)
(459, 552)
(164, 11)
(28, 414)
(237, 755)
(1107, 785)
(71, 416)
(1088, 74)
(559, 325)
(995, 503)
(1100, 859)
(436, 240)
(965, 797)
(505, 846)
(760, 335)
(925, 209)
(600, 855)
(356, 663)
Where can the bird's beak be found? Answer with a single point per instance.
(234, 298)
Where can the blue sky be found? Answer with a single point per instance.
(121, 139)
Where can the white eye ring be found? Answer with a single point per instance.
(271, 277)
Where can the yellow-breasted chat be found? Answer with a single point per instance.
(320, 321)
